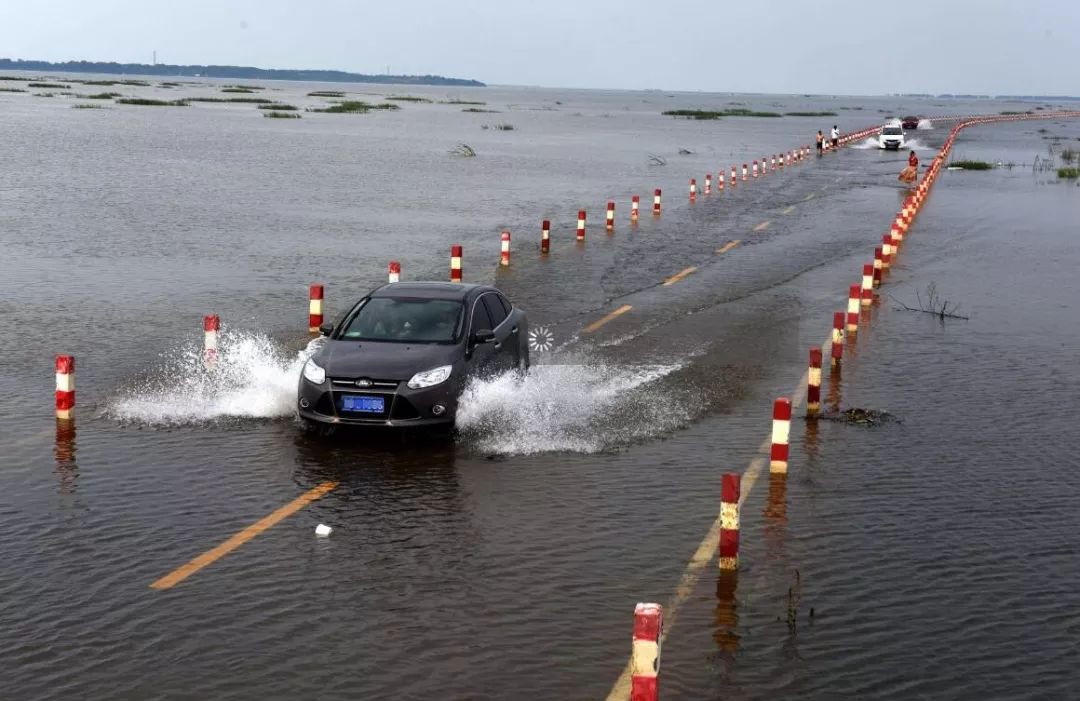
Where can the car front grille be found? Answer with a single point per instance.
(349, 383)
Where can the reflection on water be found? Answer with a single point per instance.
(67, 471)
(726, 613)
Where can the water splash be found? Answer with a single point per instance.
(925, 124)
(253, 378)
(872, 142)
(575, 408)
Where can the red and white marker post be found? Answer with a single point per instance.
(853, 309)
(734, 177)
(878, 266)
(755, 169)
(729, 521)
(65, 387)
(720, 180)
(867, 285)
(581, 225)
(645, 652)
(837, 353)
(744, 172)
(610, 217)
(211, 325)
(781, 431)
(656, 202)
(635, 206)
(813, 383)
(315, 308)
(693, 189)
(886, 251)
(393, 271)
(545, 236)
(708, 183)
(455, 263)
(504, 254)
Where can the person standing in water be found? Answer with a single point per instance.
(912, 159)
(820, 142)
(835, 136)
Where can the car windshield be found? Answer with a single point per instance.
(405, 320)
(892, 131)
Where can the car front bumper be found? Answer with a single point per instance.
(403, 407)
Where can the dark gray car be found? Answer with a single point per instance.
(402, 355)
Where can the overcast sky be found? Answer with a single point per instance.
(787, 46)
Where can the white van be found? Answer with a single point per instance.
(891, 137)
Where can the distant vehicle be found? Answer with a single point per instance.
(891, 137)
(401, 356)
(910, 122)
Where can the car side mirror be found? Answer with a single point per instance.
(327, 328)
(483, 336)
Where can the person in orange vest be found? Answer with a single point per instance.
(820, 141)
(912, 159)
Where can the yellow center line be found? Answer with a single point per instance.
(600, 322)
(809, 197)
(678, 276)
(762, 226)
(728, 246)
(213, 555)
(708, 547)
(789, 210)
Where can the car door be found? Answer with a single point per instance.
(481, 357)
(506, 339)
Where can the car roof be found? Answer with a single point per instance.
(429, 290)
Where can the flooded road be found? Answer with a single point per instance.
(936, 553)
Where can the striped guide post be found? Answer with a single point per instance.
(744, 172)
(837, 339)
(878, 266)
(720, 180)
(656, 202)
(886, 251)
(610, 221)
(867, 285)
(545, 236)
(813, 383)
(734, 177)
(764, 165)
(581, 225)
(781, 431)
(65, 387)
(393, 271)
(315, 308)
(729, 521)
(754, 171)
(211, 325)
(897, 233)
(693, 189)
(645, 655)
(772, 162)
(455, 262)
(504, 253)
(635, 206)
(708, 183)
(853, 309)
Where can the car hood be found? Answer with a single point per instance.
(383, 361)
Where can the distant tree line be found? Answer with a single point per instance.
(247, 72)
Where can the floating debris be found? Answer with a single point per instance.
(861, 417)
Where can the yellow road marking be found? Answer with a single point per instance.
(210, 556)
(678, 276)
(600, 322)
(708, 547)
(728, 246)
(762, 226)
(789, 210)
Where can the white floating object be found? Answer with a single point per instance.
(323, 530)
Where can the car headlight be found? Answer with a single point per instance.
(429, 378)
(313, 373)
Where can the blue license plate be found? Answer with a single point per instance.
(363, 404)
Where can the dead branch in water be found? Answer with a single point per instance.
(933, 305)
(656, 160)
(463, 150)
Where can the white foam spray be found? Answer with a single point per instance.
(253, 378)
(576, 408)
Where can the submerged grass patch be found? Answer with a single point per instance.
(719, 114)
(100, 96)
(55, 86)
(244, 100)
(1069, 172)
(354, 107)
(87, 106)
(249, 88)
(408, 98)
(99, 82)
(326, 93)
(281, 115)
(278, 106)
(463, 102)
(480, 111)
(971, 165)
(151, 103)
(12, 90)
(236, 90)
(810, 114)
(141, 83)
